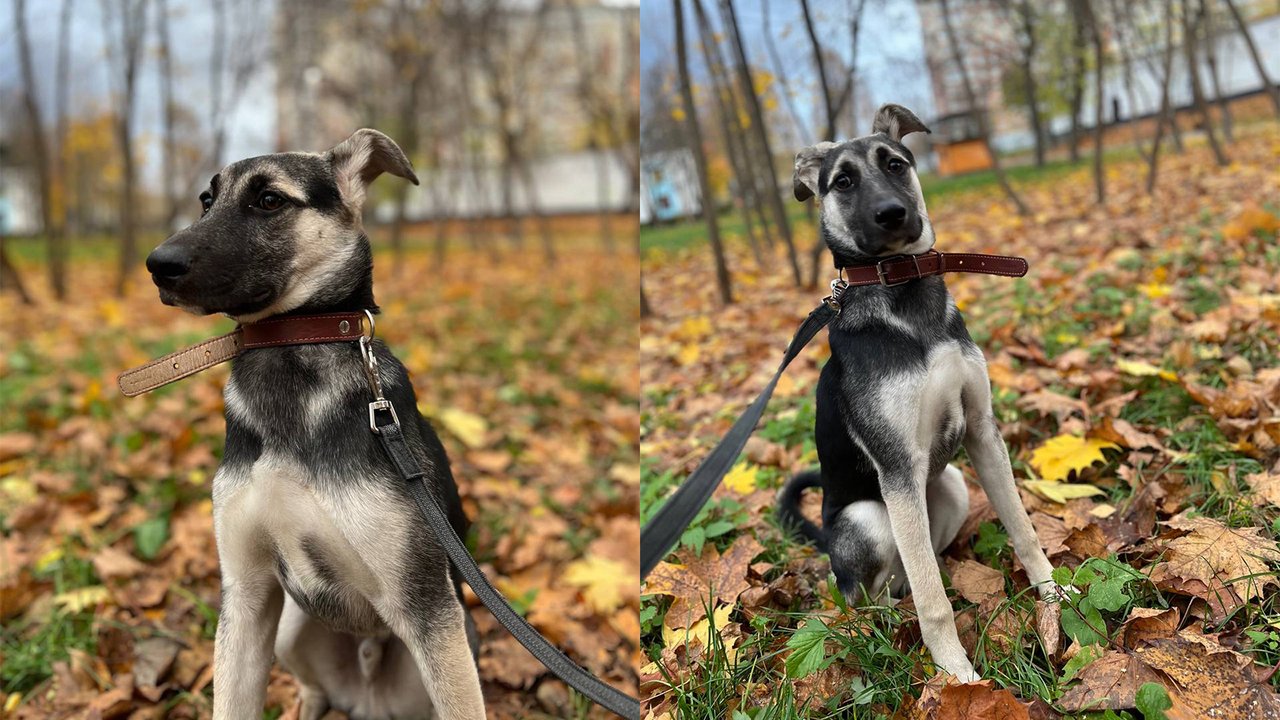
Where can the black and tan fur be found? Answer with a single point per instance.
(324, 557)
(904, 389)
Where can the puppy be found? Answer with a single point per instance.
(309, 514)
(904, 389)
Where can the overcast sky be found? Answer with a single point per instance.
(890, 52)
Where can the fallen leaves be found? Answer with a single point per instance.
(1063, 455)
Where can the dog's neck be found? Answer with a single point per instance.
(359, 298)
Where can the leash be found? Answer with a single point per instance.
(383, 422)
(660, 535)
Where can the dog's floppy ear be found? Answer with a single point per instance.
(361, 158)
(897, 122)
(804, 183)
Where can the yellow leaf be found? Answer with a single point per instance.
(48, 559)
(80, 600)
(742, 478)
(601, 580)
(1155, 291)
(1142, 369)
(11, 702)
(1059, 456)
(693, 328)
(467, 427)
(700, 632)
(1060, 492)
(689, 354)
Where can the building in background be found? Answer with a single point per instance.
(668, 186)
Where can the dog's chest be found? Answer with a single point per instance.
(272, 511)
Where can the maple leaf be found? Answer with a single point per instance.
(742, 478)
(1218, 555)
(704, 578)
(1064, 454)
(1138, 368)
(699, 631)
(1266, 486)
(467, 427)
(602, 581)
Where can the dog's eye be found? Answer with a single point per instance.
(206, 202)
(896, 166)
(843, 182)
(270, 201)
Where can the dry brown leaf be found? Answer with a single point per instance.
(696, 582)
(1110, 682)
(1212, 551)
(978, 583)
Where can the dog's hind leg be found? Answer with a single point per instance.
(863, 555)
(986, 449)
(948, 501)
(435, 630)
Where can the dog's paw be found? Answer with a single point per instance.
(966, 675)
(1052, 592)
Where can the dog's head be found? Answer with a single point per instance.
(867, 189)
(279, 232)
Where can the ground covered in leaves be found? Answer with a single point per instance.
(1136, 377)
(108, 574)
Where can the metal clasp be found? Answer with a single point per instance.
(838, 286)
(374, 377)
(883, 274)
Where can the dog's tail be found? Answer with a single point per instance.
(789, 514)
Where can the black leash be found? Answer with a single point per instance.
(664, 529)
(383, 422)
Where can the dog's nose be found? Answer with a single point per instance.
(890, 215)
(168, 262)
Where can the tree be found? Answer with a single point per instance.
(762, 135)
(1197, 92)
(735, 147)
(1261, 67)
(1166, 116)
(40, 151)
(1211, 57)
(972, 99)
(129, 18)
(62, 110)
(1079, 30)
(1099, 59)
(168, 111)
(1024, 14)
(694, 136)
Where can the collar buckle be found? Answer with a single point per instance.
(883, 273)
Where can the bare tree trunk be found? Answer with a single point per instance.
(972, 99)
(409, 131)
(762, 133)
(1197, 92)
(40, 147)
(822, 70)
(1123, 19)
(645, 309)
(1261, 67)
(540, 217)
(1027, 63)
(62, 109)
(1095, 32)
(1211, 56)
(168, 145)
(781, 71)
(734, 147)
(1164, 118)
(694, 136)
(1076, 99)
(127, 54)
(9, 275)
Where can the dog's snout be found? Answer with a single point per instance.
(168, 262)
(890, 215)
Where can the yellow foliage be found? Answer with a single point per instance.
(1062, 455)
(602, 581)
(1143, 369)
(467, 427)
(742, 478)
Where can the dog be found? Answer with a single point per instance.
(904, 389)
(324, 556)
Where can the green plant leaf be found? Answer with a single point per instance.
(1079, 661)
(1062, 576)
(1083, 623)
(149, 536)
(991, 541)
(1152, 700)
(808, 649)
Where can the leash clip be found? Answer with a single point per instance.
(838, 286)
(375, 378)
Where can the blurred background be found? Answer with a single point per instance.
(507, 280)
(1129, 151)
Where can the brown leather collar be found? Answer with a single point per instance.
(900, 269)
(272, 332)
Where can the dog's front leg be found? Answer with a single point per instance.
(247, 622)
(903, 489)
(986, 449)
